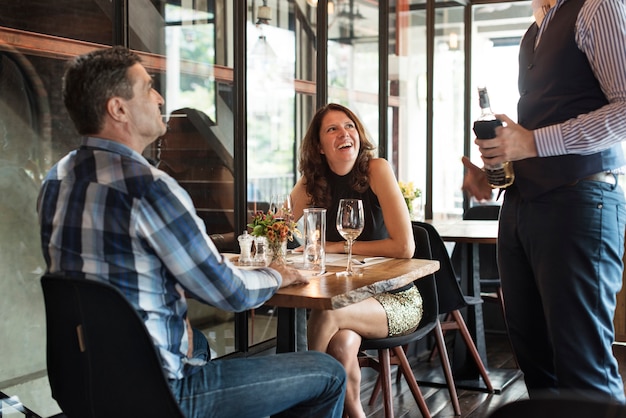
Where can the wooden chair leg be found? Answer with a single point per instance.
(385, 374)
(447, 369)
(398, 374)
(458, 318)
(433, 351)
(375, 391)
(405, 368)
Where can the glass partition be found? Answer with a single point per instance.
(407, 95)
(353, 60)
(497, 30)
(35, 40)
(271, 106)
(197, 149)
(271, 121)
(448, 112)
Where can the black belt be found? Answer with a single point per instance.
(603, 177)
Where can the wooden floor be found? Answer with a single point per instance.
(474, 404)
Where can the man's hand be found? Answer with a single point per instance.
(290, 275)
(512, 143)
(475, 181)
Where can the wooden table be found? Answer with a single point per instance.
(469, 234)
(331, 292)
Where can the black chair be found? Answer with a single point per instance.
(452, 299)
(391, 351)
(560, 408)
(101, 360)
(490, 286)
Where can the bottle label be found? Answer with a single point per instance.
(486, 129)
(500, 176)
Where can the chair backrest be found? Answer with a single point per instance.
(486, 252)
(101, 359)
(426, 285)
(448, 290)
(482, 213)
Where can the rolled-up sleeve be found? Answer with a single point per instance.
(169, 226)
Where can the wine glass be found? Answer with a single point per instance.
(280, 206)
(350, 221)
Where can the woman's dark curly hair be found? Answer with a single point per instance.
(314, 167)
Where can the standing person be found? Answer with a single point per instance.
(106, 214)
(561, 236)
(336, 162)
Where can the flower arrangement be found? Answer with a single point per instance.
(410, 193)
(276, 230)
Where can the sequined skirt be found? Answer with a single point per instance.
(404, 310)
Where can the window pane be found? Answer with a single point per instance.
(407, 94)
(198, 149)
(353, 60)
(37, 39)
(271, 130)
(497, 31)
(448, 112)
(271, 141)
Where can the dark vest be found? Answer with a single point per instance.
(556, 83)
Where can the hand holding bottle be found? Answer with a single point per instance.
(498, 175)
(512, 143)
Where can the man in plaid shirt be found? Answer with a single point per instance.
(106, 214)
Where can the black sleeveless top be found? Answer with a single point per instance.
(374, 228)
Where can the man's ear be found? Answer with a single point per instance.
(116, 108)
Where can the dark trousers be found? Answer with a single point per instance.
(560, 261)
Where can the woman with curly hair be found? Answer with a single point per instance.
(336, 162)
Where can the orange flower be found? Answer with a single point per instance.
(275, 230)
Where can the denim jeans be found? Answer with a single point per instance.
(306, 384)
(560, 261)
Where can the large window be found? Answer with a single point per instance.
(448, 112)
(407, 94)
(36, 39)
(353, 60)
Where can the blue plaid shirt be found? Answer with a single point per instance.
(106, 214)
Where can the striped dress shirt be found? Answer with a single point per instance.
(601, 35)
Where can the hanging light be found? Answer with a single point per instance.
(264, 14)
